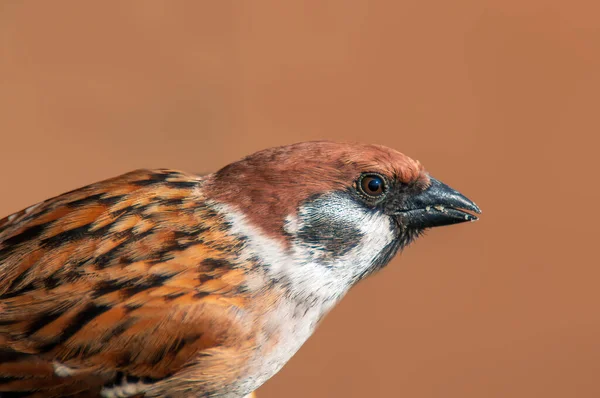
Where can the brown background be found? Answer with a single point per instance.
(497, 98)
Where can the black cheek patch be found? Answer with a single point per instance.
(333, 235)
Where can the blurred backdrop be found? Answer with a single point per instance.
(497, 98)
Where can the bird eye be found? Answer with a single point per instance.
(372, 185)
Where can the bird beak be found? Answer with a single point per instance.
(438, 205)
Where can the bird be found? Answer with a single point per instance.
(163, 283)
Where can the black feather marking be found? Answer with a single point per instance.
(17, 281)
(132, 379)
(119, 329)
(8, 379)
(154, 178)
(25, 236)
(320, 231)
(217, 263)
(112, 200)
(171, 350)
(172, 296)
(85, 316)
(85, 201)
(42, 321)
(181, 184)
(8, 355)
(51, 282)
(106, 258)
(200, 295)
(130, 287)
(67, 236)
(171, 201)
(182, 342)
(15, 394)
(131, 307)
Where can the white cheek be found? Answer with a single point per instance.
(378, 232)
(290, 225)
(302, 265)
(376, 228)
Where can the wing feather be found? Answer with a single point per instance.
(130, 276)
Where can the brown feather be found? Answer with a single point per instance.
(127, 275)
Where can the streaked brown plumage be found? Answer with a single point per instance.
(142, 290)
(142, 285)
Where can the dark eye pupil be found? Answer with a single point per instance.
(374, 185)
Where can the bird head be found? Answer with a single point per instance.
(348, 207)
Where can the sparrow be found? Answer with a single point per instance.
(161, 283)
